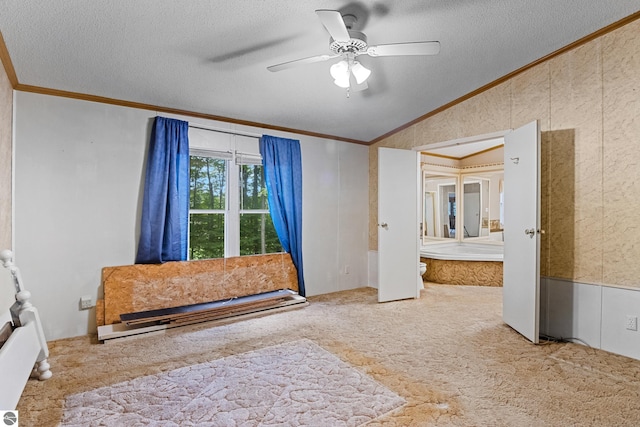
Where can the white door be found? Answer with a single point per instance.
(521, 281)
(398, 227)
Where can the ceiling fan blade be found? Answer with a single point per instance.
(404, 49)
(333, 22)
(291, 64)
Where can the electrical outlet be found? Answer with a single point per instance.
(632, 323)
(86, 302)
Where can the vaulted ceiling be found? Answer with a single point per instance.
(211, 57)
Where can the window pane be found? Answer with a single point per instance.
(253, 189)
(207, 183)
(257, 235)
(206, 236)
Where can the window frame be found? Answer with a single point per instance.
(232, 212)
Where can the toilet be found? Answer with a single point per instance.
(423, 269)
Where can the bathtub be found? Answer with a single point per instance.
(456, 251)
(455, 263)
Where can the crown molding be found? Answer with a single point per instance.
(7, 64)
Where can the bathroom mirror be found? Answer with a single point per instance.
(439, 206)
(482, 206)
(463, 175)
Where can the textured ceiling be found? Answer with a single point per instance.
(211, 57)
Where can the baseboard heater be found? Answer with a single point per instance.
(144, 322)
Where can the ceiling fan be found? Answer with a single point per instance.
(348, 44)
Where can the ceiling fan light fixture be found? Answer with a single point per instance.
(343, 83)
(347, 43)
(360, 72)
(340, 73)
(339, 70)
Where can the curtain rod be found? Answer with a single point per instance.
(231, 132)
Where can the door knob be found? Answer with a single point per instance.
(384, 225)
(530, 231)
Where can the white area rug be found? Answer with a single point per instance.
(292, 384)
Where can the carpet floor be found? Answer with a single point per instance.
(447, 354)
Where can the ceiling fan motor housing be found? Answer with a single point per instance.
(357, 43)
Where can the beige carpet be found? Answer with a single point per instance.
(448, 354)
(291, 384)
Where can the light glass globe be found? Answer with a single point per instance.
(360, 72)
(340, 73)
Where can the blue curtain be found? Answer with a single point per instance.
(165, 208)
(282, 166)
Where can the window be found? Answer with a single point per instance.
(257, 234)
(207, 207)
(228, 209)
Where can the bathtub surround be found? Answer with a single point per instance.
(469, 273)
(463, 263)
(588, 104)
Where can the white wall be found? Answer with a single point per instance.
(79, 169)
(335, 224)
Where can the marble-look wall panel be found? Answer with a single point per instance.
(530, 97)
(559, 224)
(485, 113)
(142, 287)
(373, 196)
(405, 139)
(575, 165)
(6, 126)
(468, 273)
(544, 204)
(621, 156)
(438, 128)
